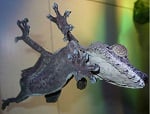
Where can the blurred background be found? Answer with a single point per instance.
(109, 21)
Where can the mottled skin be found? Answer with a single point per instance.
(53, 71)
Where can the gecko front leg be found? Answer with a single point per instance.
(25, 28)
(80, 59)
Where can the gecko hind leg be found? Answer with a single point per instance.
(22, 96)
(53, 97)
(81, 84)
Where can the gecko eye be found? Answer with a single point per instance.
(119, 50)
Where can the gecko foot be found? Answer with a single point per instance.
(81, 84)
(25, 28)
(80, 59)
(5, 104)
(61, 21)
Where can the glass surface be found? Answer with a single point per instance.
(105, 21)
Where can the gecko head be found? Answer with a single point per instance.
(121, 52)
(115, 66)
(116, 50)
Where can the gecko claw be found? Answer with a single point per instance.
(67, 13)
(93, 80)
(18, 22)
(55, 5)
(86, 57)
(76, 52)
(71, 27)
(50, 17)
(17, 39)
(96, 69)
(69, 56)
(26, 20)
(5, 104)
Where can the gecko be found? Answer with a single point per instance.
(53, 71)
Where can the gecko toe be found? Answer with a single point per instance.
(81, 84)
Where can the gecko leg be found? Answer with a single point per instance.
(62, 24)
(83, 67)
(21, 97)
(53, 97)
(25, 28)
(81, 84)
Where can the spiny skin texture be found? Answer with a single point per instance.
(53, 71)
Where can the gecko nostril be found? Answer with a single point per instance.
(143, 76)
